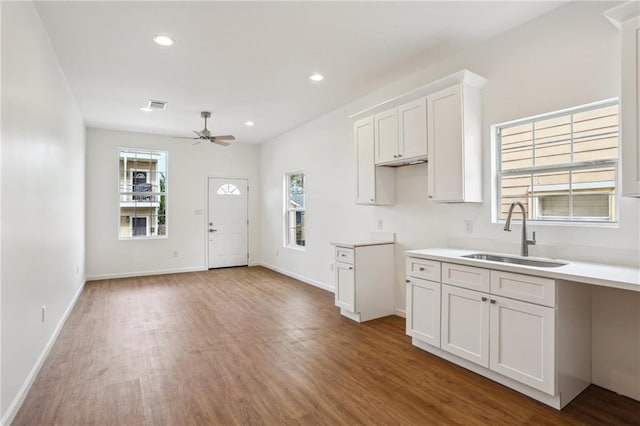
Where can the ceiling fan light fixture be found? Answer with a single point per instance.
(249, 123)
(316, 77)
(163, 40)
(146, 109)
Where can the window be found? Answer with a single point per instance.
(228, 189)
(562, 166)
(142, 189)
(294, 210)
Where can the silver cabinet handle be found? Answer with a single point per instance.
(213, 230)
(407, 281)
(484, 299)
(350, 267)
(399, 155)
(421, 269)
(395, 156)
(430, 196)
(492, 301)
(343, 255)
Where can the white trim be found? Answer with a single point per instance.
(306, 280)
(145, 273)
(15, 405)
(402, 313)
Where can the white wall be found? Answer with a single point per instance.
(43, 149)
(567, 58)
(189, 166)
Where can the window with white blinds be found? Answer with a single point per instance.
(562, 166)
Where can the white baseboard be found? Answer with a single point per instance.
(144, 273)
(400, 312)
(15, 405)
(296, 276)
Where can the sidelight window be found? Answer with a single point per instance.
(295, 209)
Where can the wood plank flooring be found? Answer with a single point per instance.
(250, 346)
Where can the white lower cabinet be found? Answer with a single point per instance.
(465, 324)
(364, 279)
(539, 345)
(522, 339)
(423, 310)
(345, 286)
(511, 337)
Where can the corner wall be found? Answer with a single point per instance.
(43, 222)
(188, 168)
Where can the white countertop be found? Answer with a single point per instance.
(622, 277)
(354, 244)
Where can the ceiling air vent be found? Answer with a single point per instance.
(159, 105)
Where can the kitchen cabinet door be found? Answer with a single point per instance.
(412, 144)
(345, 291)
(374, 185)
(630, 108)
(465, 324)
(386, 136)
(523, 342)
(453, 138)
(423, 310)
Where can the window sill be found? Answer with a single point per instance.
(163, 237)
(296, 248)
(557, 223)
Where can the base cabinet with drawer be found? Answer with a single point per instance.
(364, 279)
(529, 333)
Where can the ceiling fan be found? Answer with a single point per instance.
(205, 134)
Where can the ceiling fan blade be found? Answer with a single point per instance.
(198, 133)
(225, 138)
(183, 137)
(198, 140)
(219, 142)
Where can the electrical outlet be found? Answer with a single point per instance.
(380, 224)
(43, 312)
(468, 227)
(175, 253)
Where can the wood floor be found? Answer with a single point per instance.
(250, 346)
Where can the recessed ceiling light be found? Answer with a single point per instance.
(146, 109)
(249, 124)
(163, 40)
(316, 77)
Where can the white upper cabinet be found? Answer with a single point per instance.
(386, 136)
(401, 134)
(627, 18)
(374, 185)
(454, 145)
(412, 143)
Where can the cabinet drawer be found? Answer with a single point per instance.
(344, 254)
(524, 287)
(422, 268)
(466, 276)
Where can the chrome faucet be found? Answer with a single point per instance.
(524, 250)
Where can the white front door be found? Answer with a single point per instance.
(227, 222)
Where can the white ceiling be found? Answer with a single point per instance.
(251, 60)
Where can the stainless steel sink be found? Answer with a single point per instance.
(516, 260)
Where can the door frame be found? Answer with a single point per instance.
(205, 222)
